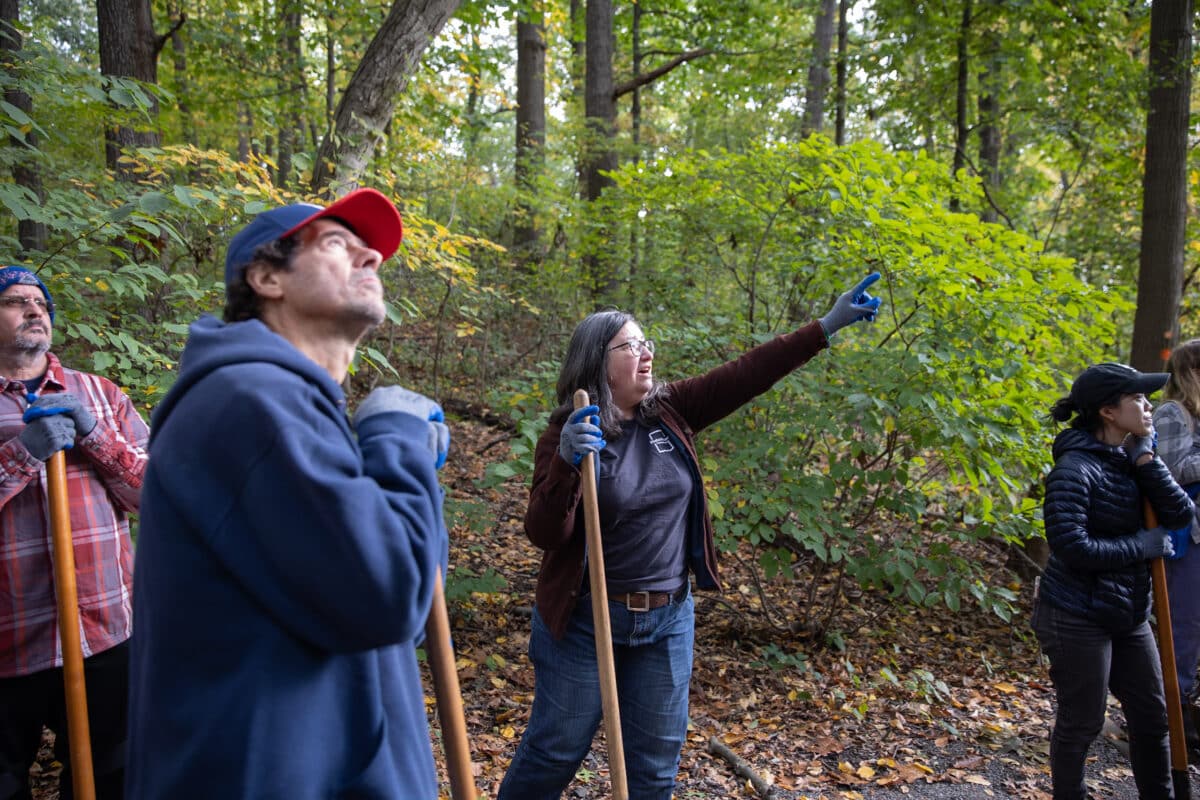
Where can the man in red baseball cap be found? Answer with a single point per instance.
(287, 556)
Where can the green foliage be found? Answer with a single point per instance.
(525, 399)
(884, 463)
(775, 658)
(920, 435)
(462, 582)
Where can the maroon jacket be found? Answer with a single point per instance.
(553, 520)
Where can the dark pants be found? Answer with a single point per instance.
(1183, 575)
(1086, 662)
(31, 701)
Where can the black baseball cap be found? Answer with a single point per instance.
(1103, 384)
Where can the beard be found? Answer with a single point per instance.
(30, 344)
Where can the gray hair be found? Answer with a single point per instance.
(585, 366)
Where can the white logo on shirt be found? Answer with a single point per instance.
(662, 443)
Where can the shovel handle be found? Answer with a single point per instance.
(601, 624)
(66, 591)
(449, 697)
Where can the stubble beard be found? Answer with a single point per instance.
(30, 347)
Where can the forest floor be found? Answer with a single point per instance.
(926, 704)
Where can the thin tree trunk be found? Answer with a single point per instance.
(182, 79)
(818, 69)
(600, 148)
(531, 125)
(471, 112)
(330, 64)
(989, 121)
(291, 88)
(370, 97)
(1164, 186)
(30, 233)
(842, 68)
(635, 113)
(961, 129)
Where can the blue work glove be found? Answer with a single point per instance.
(581, 435)
(62, 403)
(1155, 543)
(851, 307)
(397, 398)
(1181, 538)
(46, 435)
(1138, 446)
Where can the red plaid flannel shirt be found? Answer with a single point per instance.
(104, 481)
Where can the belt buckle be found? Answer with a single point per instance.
(629, 600)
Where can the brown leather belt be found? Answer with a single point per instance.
(645, 601)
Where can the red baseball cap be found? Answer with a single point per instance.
(369, 213)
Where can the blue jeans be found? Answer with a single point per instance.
(652, 653)
(1086, 661)
(1183, 587)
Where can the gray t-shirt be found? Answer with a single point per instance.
(645, 486)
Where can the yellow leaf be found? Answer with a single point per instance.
(1007, 688)
(499, 683)
(865, 772)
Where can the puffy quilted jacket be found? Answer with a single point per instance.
(1093, 511)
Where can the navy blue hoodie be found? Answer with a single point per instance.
(284, 573)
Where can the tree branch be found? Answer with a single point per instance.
(741, 768)
(656, 73)
(161, 41)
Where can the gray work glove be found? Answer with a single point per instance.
(397, 398)
(63, 403)
(1138, 446)
(852, 306)
(1155, 543)
(44, 436)
(581, 435)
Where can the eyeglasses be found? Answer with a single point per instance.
(636, 346)
(22, 302)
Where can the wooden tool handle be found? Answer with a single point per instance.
(1166, 649)
(600, 621)
(449, 697)
(82, 779)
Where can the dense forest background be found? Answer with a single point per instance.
(1020, 172)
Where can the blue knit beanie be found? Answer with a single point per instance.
(14, 275)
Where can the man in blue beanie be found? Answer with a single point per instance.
(44, 408)
(287, 555)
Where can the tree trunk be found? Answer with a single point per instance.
(182, 79)
(600, 154)
(635, 126)
(30, 233)
(370, 97)
(989, 121)
(961, 95)
(331, 50)
(291, 89)
(818, 69)
(842, 69)
(128, 49)
(531, 125)
(471, 113)
(1164, 185)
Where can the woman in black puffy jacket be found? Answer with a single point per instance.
(1093, 605)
